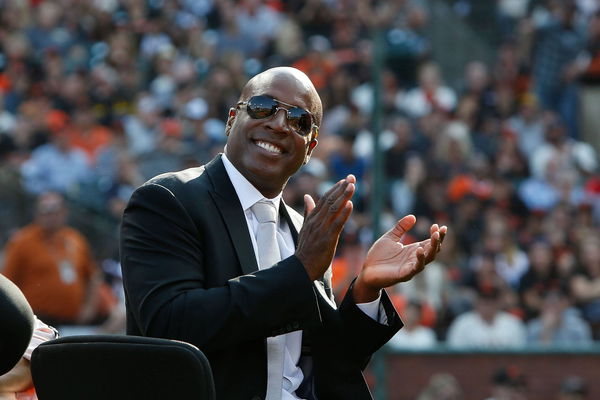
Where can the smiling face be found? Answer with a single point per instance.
(267, 151)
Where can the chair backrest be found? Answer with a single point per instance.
(119, 367)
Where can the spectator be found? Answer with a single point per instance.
(527, 125)
(413, 336)
(508, 383)
(442, 386)
(168, 153)
(55, 166)
(487, 326)
(585, 283)
(317, 62)
(541, 278)
(252, 13)
(556, 63)
(573, 388)
(198, 143)
(511, 262)
(86, 134)
(403, 192)
(569, 155)
(558, 323)
(53, 266)
(141, 128)
(429, 95)
(344, 162)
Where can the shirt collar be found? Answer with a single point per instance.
(246, 192)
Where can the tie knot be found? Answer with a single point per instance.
(264, 211)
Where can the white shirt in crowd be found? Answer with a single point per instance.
(470, 330)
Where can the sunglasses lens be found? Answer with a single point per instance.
(300, 120)
(260, 107)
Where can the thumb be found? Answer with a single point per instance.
(309, 204)
(403, 225)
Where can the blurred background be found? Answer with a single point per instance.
(480, 115)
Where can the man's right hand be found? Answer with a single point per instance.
(323, 224)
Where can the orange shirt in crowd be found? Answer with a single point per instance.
(90, 141)
(319, 72)
(52, 271)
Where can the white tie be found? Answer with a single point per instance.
(266, 235)
(268, 254)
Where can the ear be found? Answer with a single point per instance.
(311, 145)
(232, 114)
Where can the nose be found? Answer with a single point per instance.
(279, 121)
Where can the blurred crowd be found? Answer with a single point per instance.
(98, 96)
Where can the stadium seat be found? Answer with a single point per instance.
(119, 367)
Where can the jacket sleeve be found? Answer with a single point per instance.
(350, 334)
(165, 272)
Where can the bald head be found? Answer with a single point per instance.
(297, 81)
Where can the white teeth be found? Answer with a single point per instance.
(269, 147)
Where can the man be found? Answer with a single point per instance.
(189, 246)
(558, 323)
(53, 266)
(487, 326)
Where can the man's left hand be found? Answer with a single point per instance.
(389, 262)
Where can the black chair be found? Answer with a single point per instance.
(119, 367)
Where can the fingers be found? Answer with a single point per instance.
(441, 232)
(342, 218)
(403, 225)
(342, 200)
(434, 228)
(334, 200)
(433, 245)
(309, 205)
(420, 253)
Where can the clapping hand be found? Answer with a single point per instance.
(389, 261)
(323, 223)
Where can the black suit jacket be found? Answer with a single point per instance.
(190, 273)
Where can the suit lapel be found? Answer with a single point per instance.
(292, 219)
(229, 206)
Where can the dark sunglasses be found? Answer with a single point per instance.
(260, 107)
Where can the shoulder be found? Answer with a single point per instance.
(178, 184)
(173, 191)
(509, 319)
(24, 235)
(74, 234)
(468, 318)
(178, 178)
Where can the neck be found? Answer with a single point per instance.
(268, 190)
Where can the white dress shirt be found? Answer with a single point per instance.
(248, 196)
